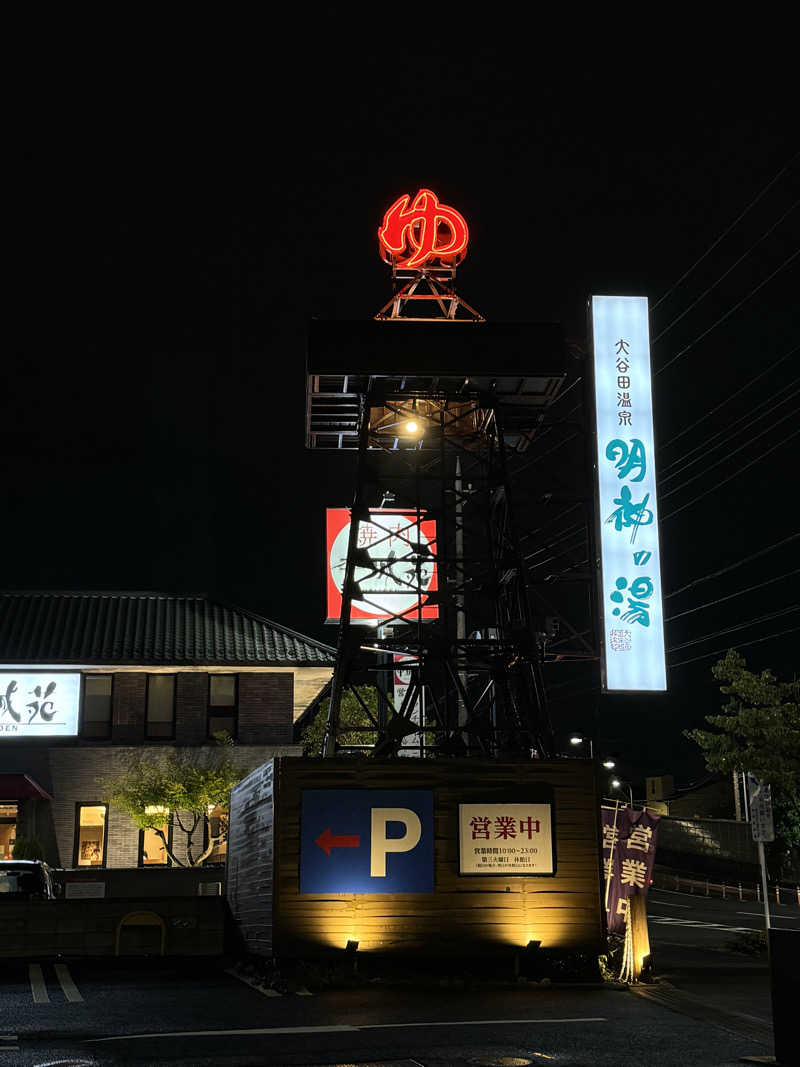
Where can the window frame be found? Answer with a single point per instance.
(77, 835)
(163, 738)
(140, 862)
(98, 737)
(215, 710)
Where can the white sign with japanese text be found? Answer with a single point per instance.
(761, 821)
(39, 705)
(630, 596)
(505, 839)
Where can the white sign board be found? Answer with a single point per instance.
(39, 705)
(401, 549)
(84, 890)
(505, 839)
(630, 596)
(760, 796)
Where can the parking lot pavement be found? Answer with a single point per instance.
(157, 1012)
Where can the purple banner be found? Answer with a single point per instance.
(629, 851)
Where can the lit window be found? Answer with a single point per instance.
(222, 703)
(217, 822)
(96, 705)
(8, 830)
(152, 850)
(90, 850)
(161, 705)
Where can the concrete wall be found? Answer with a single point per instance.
(193, 926)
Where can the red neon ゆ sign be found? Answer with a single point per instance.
(422, 230)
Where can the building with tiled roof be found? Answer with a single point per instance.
(88, 677)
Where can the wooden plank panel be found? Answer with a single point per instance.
(561, 911)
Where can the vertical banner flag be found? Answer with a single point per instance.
(629, 851)
(630, 595)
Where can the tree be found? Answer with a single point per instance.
(27, 848)
(187, 784)
(759, 732)
(352, 714)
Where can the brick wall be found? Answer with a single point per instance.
(75, 778)
(191, 712)
(129, 694)
(266, 708)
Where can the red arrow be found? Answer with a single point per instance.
(327, 841)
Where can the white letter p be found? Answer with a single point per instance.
(380, 844)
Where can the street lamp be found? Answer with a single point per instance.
(617, 784)
(609, 763)
(579, 739)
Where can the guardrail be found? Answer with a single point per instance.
(713, 887)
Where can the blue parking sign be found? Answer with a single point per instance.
(366, 841)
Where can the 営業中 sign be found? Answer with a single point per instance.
(366, 841)
(505, 839)
(34, 704)
(630, 596)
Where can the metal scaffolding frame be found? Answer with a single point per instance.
(501, 463)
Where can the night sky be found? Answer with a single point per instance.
(169, 243)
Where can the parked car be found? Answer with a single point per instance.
(26, 880)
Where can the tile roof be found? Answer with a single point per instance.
(145, 628)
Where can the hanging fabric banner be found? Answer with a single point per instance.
(629, 850)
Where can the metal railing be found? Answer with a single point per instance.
(710, 886)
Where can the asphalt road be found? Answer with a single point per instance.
(195, 1013)
(709, 922)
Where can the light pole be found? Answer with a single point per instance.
(617, 784)
(579, 739)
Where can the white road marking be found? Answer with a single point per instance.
(38, 986)
(253, 985)
(773, 916)
(71, 991)
(340, 1029)
(669, 904)
(670, 920)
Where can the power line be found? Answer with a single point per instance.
(731, 596)
(733, 566)
(735, 474)
(727, 400)
(727, 456)
(739, 626)
(730, 311)
(725, 232)
(745, 644)
(729, 429)
(722, 277)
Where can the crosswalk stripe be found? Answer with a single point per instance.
(71, 991)
(38, 987)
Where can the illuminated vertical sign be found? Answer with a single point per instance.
(631, 607)
(401, 548)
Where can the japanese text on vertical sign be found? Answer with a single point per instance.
(633, 633)
(629, 849)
